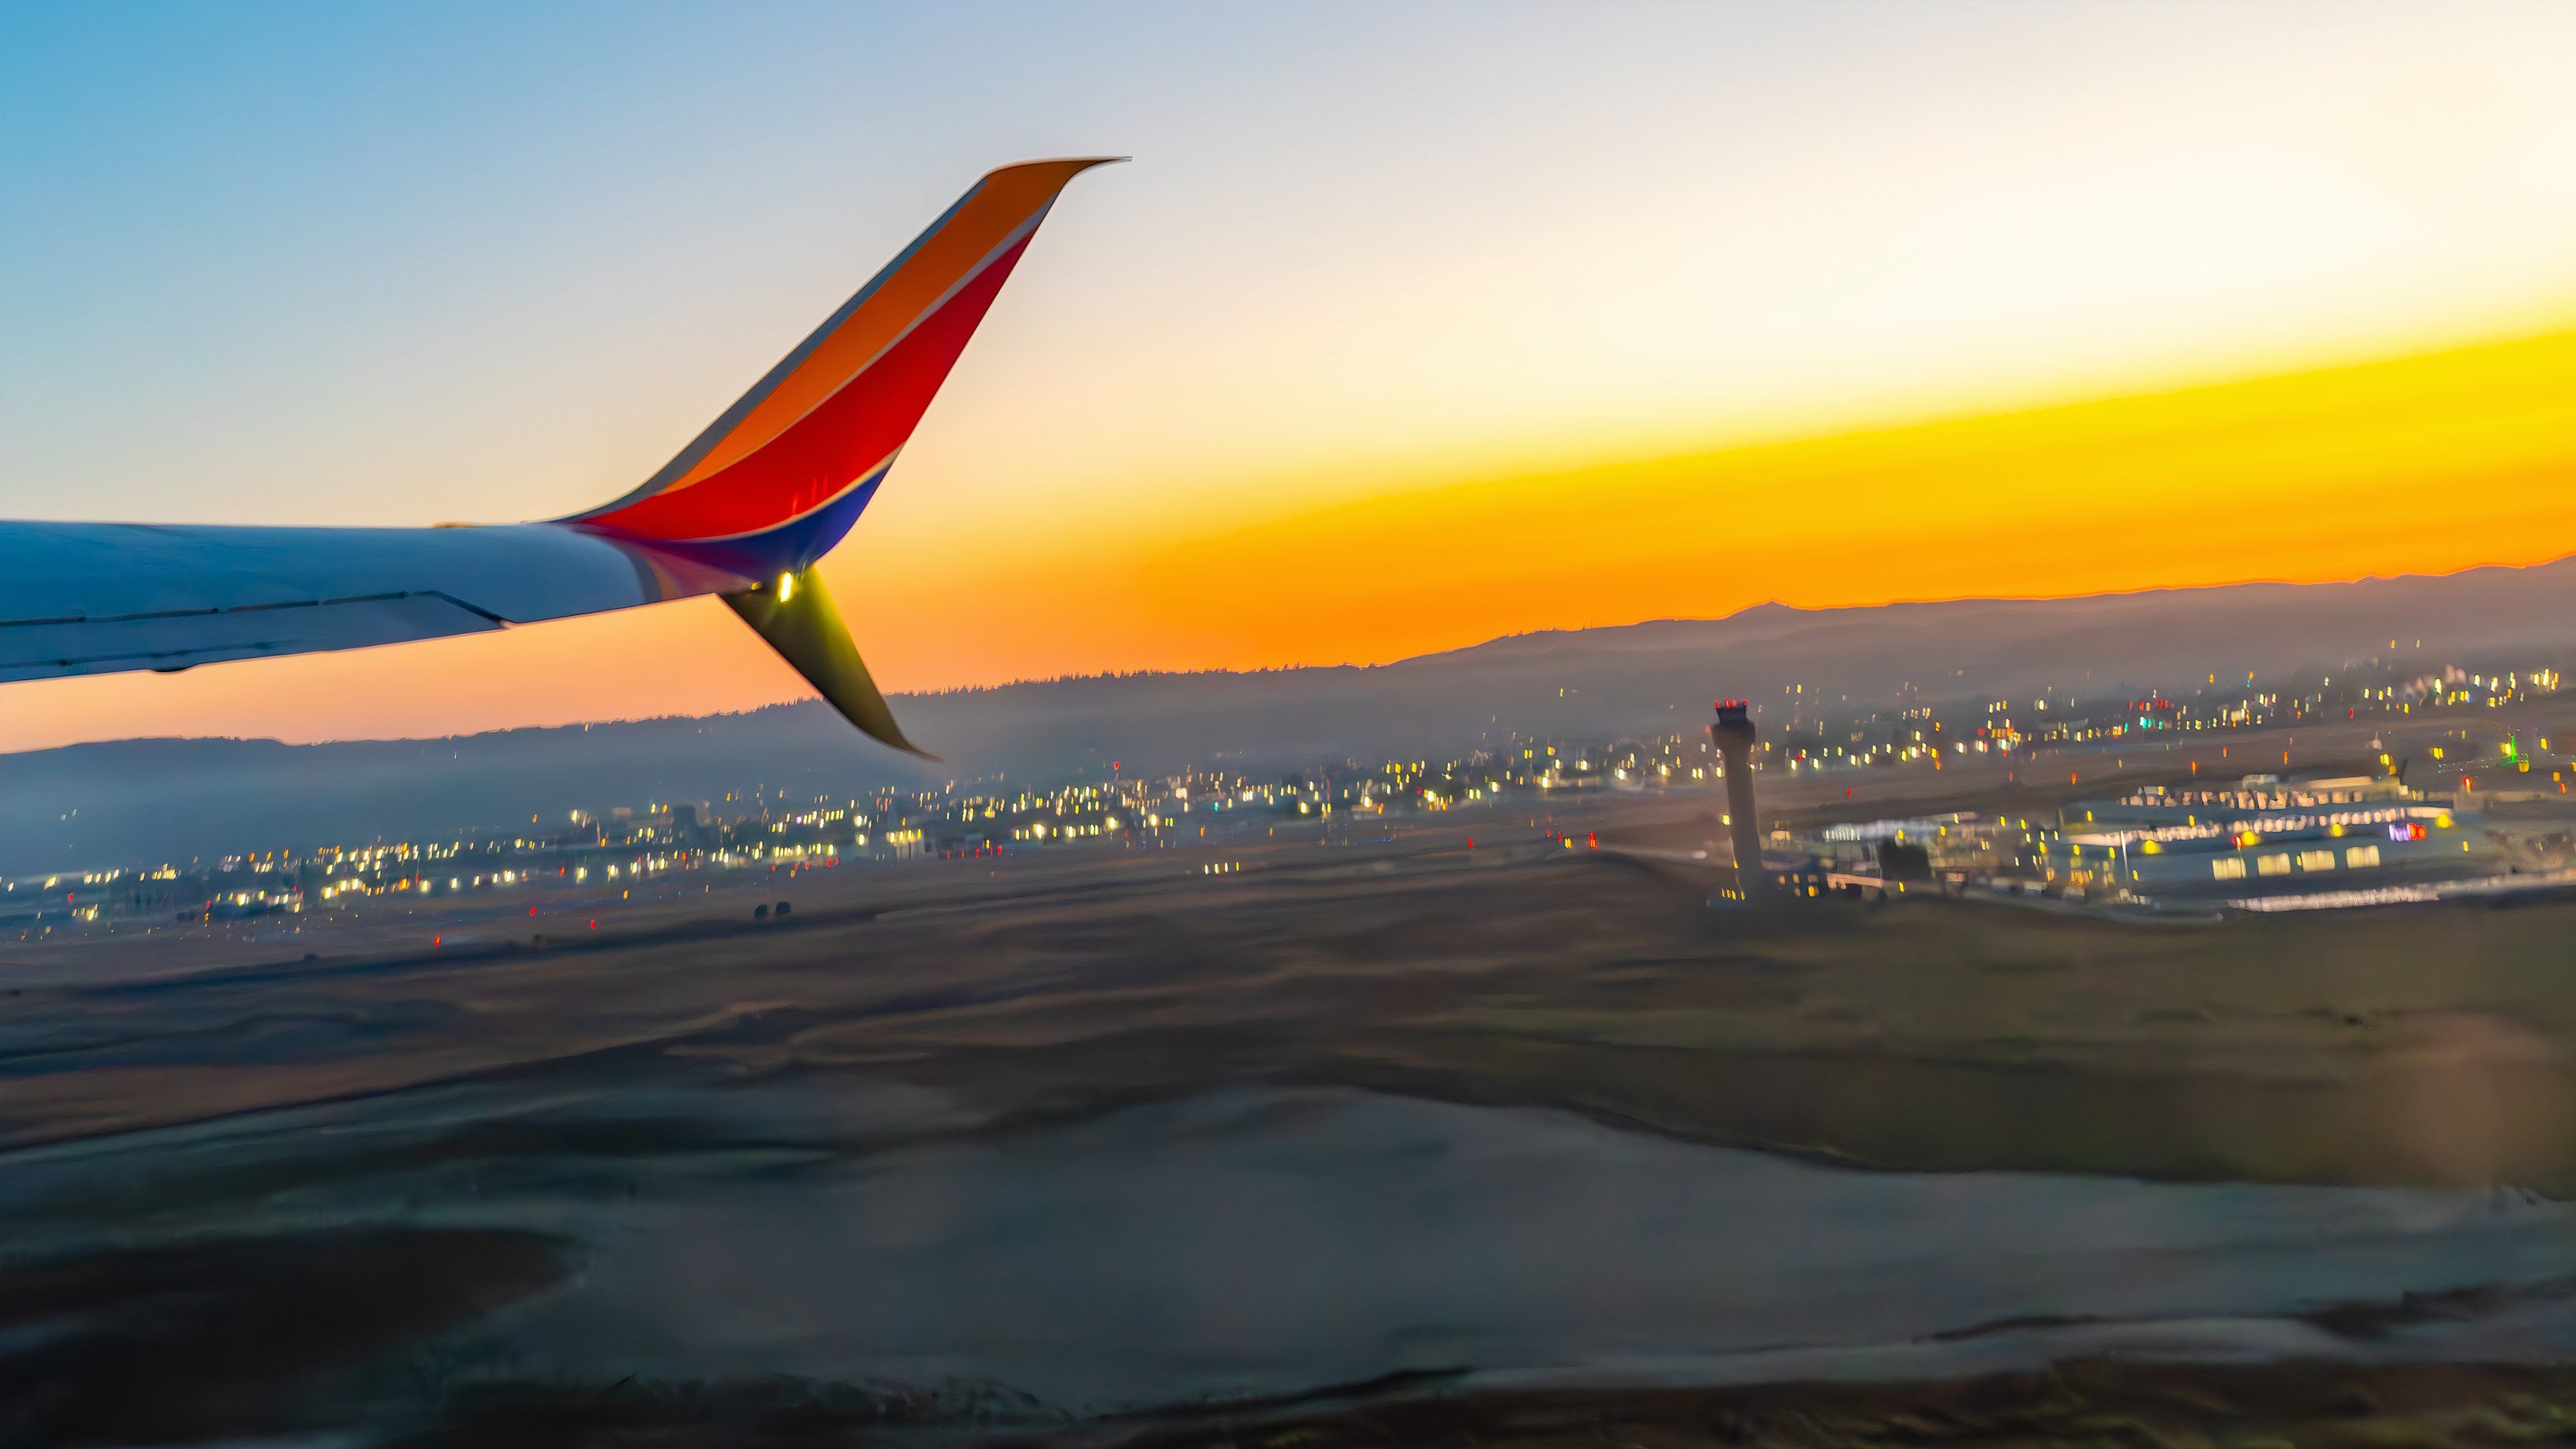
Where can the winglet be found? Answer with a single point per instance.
(794, 612)
(786, 469)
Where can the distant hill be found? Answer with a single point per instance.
(138, 799)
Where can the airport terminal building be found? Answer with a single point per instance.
(2263, 836)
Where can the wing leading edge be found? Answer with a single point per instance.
(743, 512)
(96, 598)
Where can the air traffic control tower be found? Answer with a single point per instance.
(1734, 734)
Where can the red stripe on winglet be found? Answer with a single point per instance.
(829, 448)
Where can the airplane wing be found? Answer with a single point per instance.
(95, 598)
(743, 512)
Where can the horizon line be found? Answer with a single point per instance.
(1112, 676)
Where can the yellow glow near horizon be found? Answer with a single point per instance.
(2423, 464)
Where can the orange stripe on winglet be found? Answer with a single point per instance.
(852, 433)
(1000, 203)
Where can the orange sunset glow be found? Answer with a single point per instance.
(2430, 463)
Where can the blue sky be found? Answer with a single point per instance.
(511, 255)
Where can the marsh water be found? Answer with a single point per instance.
(1257, 1243)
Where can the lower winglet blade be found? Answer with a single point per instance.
(795, 614)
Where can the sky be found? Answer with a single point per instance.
(1409, 326)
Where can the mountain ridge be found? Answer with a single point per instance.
(181, 796)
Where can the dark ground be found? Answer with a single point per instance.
(159, 1283)
(2095, 1401)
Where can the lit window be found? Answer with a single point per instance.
(2272, 865)
(2316, 860)
(2361, 855)
(2228, 868)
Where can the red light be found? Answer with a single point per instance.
(1592, 839)
(594, 925)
